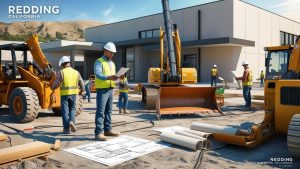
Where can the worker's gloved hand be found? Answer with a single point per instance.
(122, 77)
(112, 77)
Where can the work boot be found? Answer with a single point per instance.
(100, 137)
(66, 131)
(111, 133)
(124, 111)
(73, 127)
(120, 111)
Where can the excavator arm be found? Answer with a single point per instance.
(40, 58)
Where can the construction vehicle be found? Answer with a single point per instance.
(281, 103)
(25, 85)
(165, 90)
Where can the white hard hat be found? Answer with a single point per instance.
(245, 62)
(110, 46)
(64, 59)
(215, 65)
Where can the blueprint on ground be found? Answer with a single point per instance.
(117, 150)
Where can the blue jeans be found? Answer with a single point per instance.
(213, 81)
(123, 100)
(104, 110)
(247, 95)
(261, 82)
(68, 104)
(88, 92)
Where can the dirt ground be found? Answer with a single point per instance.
(47, 128)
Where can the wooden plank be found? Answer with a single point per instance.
(56, 146)
(23, 151)
(3, 136)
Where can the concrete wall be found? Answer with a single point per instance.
(225, 57)
(216, 22)
(261, 26)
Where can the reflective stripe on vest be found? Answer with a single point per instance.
(125, 89)
(214, 72)
(248, 82)
(69, 85)
(106, 70)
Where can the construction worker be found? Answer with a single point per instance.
(105, 72)
(262, 78)
(69, 81)
(87, 86)
(247, 83)
(214, 75)
(123, 95)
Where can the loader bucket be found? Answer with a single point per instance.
(187, 100)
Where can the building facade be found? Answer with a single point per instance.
(224, 33)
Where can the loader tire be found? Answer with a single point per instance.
(24, 104)
(293, 137)
(79, 105)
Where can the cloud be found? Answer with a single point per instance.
(109, 10)
(289, 8)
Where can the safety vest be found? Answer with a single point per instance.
(123, 88)
(69, 85)
(248, 81)
(214, 72)
(262, 75)
(106, 70)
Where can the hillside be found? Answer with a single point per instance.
(69, 30)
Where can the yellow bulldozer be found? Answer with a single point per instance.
(25, 85)
(281, 103)
(165, 91)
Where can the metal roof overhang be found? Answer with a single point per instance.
(213, 42)
(72, 47)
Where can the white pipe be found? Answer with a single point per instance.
(187, 142)
(210, 128)
(183, 133)
(198, 133)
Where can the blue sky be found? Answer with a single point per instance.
(117, 10)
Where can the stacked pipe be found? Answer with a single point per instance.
(197, 137)
(187, 138)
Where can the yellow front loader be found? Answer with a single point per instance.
(25, 85)
(282, 103)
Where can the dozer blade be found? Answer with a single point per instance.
(187, 100)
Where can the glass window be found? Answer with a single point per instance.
(282, 38)
(143, 34)
(286, 39)
(156, 33)
(149, 34)
(130, 63)
(277, 64)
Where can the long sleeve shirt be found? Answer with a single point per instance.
(59, 78)
(98, 68)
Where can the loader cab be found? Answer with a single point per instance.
(9, 68)
(277, 61)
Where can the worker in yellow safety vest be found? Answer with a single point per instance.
(247, 83)
(69, 81)
(262, 78)
(105, 72)
(214, 75)
(123, 95)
